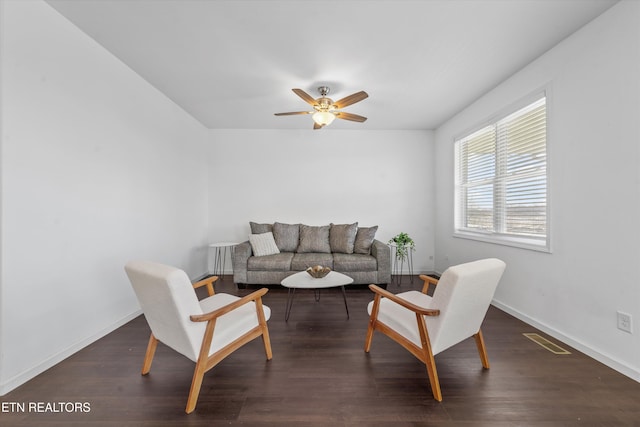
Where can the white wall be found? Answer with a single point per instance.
(382, 178)
(594, 146)
(97, 168)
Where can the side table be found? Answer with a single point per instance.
(220, 256)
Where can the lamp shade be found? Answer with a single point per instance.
(323, 118)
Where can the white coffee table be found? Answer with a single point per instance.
(303, 280)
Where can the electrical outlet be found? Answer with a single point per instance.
(624, 322)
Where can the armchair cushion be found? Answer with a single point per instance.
(399, 318)
(233, 324)
(167, 300)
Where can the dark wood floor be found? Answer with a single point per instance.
(320, 376)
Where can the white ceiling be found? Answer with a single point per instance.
(232, 64)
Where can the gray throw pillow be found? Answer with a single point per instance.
(314, 239)
(286, 236)
(260, 228)
(342, 237)
(364, 240)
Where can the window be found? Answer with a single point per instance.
(501, 180)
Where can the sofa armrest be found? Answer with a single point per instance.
(382, 253)
(241, 254)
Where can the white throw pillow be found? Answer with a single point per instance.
(263, 244)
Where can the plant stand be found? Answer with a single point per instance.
(398, 265)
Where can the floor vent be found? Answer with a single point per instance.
(553, 348)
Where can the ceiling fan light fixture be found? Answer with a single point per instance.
(325, 110)
(323, 118)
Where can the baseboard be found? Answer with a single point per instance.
(224, 273)
(27, 375)
(609, 361)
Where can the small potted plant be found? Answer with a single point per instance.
(403, 244)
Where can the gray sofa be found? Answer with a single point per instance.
(275, 251)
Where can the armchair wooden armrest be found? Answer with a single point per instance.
(254, 296)
(208, 282)
(406, 304)
(427, 281)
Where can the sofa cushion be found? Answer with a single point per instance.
(263, 244)
(314, 239)
(364, 240)
(286, 236)
(305, 260)
(342, 237)
(354, 262)
(277, 262)
(260, 228)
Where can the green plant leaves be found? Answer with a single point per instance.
(403, 244)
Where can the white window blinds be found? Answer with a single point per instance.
(501, 179)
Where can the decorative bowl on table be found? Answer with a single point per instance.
(318, 271)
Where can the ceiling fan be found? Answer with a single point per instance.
(325, 110)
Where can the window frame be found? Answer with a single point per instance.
(506, 239)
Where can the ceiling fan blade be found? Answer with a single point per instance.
(316, 126)
(351, 99)
(305, 96)
(348, 116)
(293, 113)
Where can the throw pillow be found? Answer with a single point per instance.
(314, 239)
(260, 228)
(364, 240)
(342, 237)
(286, 236)
(263, 244)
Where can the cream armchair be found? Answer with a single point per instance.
(425, 325)
(205, 331)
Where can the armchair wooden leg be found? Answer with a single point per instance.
(433, 378)
(267, 344)
(428, 359)
(196, 384)
(203, 363)
(266, 341)
(372, 323)
(482, 350)
(148, 357)
(265, 330)
(369, 339)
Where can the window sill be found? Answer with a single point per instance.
(516, 242)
